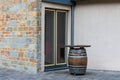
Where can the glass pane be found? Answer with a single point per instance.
(49, 37)
(61, 24)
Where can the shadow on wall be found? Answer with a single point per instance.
(98, 1)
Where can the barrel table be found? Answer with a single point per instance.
(77, 59)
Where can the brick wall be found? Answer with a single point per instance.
(20, 34)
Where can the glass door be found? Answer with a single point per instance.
(55, 39)
(61, 25)
(49, 37)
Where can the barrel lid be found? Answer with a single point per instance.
(81, 46)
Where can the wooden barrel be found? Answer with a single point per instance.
(77, 61)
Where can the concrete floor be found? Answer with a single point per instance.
(59, 75)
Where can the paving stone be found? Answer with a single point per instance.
(6, 74)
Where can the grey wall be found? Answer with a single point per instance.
(67, 2)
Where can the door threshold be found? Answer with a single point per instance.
(54, 68)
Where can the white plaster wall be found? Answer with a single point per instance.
(99, 26)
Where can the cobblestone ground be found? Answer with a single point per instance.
(59, 75)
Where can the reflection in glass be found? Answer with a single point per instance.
(61, 24)
(49, 37)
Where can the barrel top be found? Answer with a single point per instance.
(81, 46)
